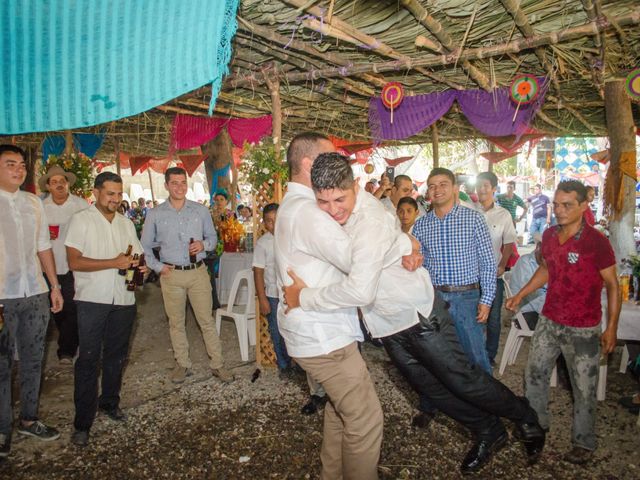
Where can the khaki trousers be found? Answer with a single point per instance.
(352, 416)
(194, 284)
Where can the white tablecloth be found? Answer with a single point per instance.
(230, 265)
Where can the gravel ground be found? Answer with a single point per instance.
(206, 429)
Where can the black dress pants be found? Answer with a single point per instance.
(430, 357)
(67, 319)
(104, 332)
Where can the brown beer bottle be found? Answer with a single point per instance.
(192, 258)
(1, 317)
(123, 271)
(130, 277)
(138, 277)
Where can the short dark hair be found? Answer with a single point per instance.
(303, 145)
(401, 178)
(270, 207)
(6, 147)
(331, 170)
(589, 188)
(106, 177)
(408, 201)
(174, 171)
(222, 192)
(511, 182)
(442, 171)
(568, 186)
(490, 177)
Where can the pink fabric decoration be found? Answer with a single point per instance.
(191, 131)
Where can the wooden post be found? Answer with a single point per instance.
(116, 151)
(153, 197)
(622, 139)
(276, 129)
(435, 146)
(68, 148)
(492, 148)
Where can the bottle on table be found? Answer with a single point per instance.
(192, 257)
(123, 271)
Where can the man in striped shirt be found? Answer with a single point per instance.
(459, 257)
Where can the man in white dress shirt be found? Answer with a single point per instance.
(25, 252)
(503, 239)
(400, 307)
(325, 343)
(59, 207)
(96, 241)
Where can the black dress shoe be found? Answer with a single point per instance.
(422, 420)
(481, 452)
(315, 402)
(532, 435)
(116, 414)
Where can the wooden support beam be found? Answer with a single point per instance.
(622, 140)
(435, 145)
(276, 113)
(446, 42)
(515, 46)
(346, 32)
(578, 116)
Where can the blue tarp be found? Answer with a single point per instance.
(76, 63)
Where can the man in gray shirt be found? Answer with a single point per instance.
(184, 231)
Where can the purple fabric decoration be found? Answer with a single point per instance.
(412, 116)
(490, 112)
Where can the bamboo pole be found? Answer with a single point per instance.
(153, 197)
(276, 131)
(554, 38)
(68, 146)
(116, 152)
(435, 145)
(622, 139)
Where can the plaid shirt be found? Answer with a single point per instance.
(457, 250)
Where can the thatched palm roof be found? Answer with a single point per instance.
(330, 57)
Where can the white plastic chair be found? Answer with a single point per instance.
(244, 316)
(519, 331)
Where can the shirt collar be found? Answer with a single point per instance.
(300, 189)
(453, 212)
(356, 209)
(10, 195)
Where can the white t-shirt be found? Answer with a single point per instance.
(264, 257)
(501, 228)
(95, 237)
(61, 215)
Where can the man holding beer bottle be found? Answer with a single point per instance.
(100, 243)
(184, 231)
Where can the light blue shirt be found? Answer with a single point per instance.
(521, 273)
(172, 229)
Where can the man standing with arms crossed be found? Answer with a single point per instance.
(96, 241)
(325, 344)
(184, 231)
(25, 252)
(59, 207)
(577, 261)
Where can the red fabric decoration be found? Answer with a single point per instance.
(159, 165)
(190, 131)
(601, 156)
(394, 162)
(192, 162)
(510, 145)
(137, 163)
(495, 157)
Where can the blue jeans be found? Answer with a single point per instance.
(494, 321)
(282, 357)
(537, 226)
(463, 308)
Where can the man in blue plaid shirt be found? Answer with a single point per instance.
(458, 255)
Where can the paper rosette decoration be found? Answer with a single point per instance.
(392, 96)
(524, 89)
(632, 85)
(368, 168)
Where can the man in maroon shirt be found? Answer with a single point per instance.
(578, 260)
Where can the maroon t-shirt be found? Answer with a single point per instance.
(575, 284)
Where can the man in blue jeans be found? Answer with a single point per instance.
(541, 207)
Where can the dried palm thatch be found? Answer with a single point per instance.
(331, 56)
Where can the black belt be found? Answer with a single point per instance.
(191, 266)
(457, 288)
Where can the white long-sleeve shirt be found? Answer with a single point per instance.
(317, 249)
(61, 215)
(390, 296)
(23, 233)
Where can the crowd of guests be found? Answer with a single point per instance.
(425, 277)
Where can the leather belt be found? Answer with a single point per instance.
(191, 266)
(457, 288)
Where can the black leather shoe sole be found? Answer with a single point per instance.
(481, 453)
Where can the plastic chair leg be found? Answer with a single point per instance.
(507, 351)
(243, 337)
(624, 360)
